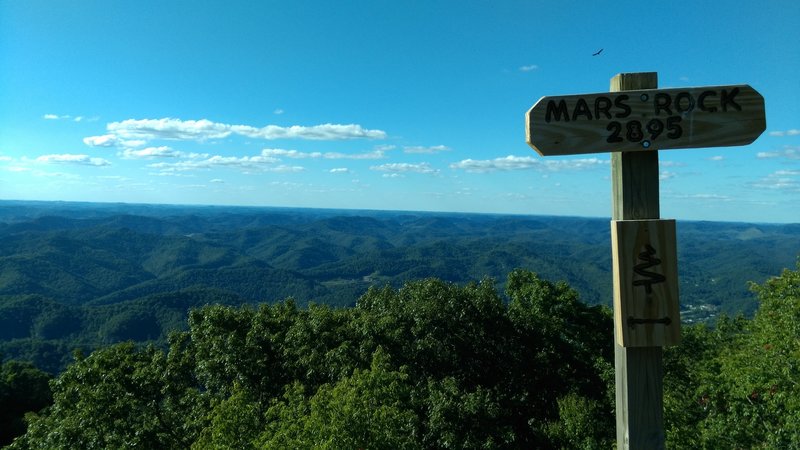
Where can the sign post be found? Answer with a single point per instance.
(639, 371)
(631, 122)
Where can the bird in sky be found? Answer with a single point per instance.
(598, 52)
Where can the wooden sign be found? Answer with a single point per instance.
(645, 269)
(641, 120)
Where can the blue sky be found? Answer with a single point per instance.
(394, 105)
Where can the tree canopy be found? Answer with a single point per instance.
(431, 365)
(428, 365)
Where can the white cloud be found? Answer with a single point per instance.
(111, 140)
(294, 154)
(159, 152)
(788, 153)
(150, 152)
(783, 180)
(375, 154)
(714, 197)
(326, 132)
(432, 149)
(67, 116)
(716, 158)
(278, 111)
(203, 129)
(285, 184)
(666, 175)
(217, 181)
(284, 169)
(397, 168)
(575, 164)
(529, 68)
(710, 197)
(168, 128)
(340, 170)
(6, 158)
(245, 162)
(106, 140)
(168, 173)
(670, 164)
(61, 117)
(512, 162)
(66, 158)
(781, 133)
(509, 162)
(783, 184)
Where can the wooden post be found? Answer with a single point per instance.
(639, 370)
(632, 121)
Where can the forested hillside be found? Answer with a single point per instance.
(276, 328)
(430, 365)
(84, 275)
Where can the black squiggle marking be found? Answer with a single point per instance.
(632, 322)
(651, 278)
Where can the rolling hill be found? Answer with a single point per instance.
(82, 275)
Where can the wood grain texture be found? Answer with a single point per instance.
(639, 371)
(640, 410)
(645, 267)
(634, 185)
(692, 117)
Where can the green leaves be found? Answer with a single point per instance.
(117, 397)
(23, 389)
(429, 365)
(577, 426)
(233, 423)
(433, 326)
(738, 386)
(372, 408)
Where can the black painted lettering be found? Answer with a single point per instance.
(602, 105)
(662, 102)
(634, 133)
(655, 127)
(701, 101)
(727, 99)
(558, 110)
(684, 102)
(615, 128)
(619, 102)
(675, 130)
(581, 109)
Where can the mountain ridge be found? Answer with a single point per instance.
(115, 264)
